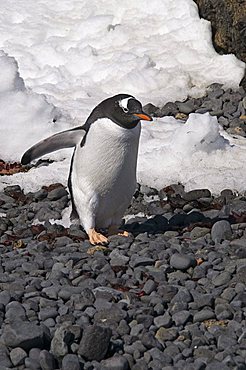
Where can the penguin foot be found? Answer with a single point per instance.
(114, 230)
(96, 238)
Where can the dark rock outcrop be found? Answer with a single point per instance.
(228, 21)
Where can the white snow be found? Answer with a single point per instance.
(60, 58)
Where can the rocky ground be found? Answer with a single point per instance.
(170, 296)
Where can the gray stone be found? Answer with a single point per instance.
(117, 258)
(15, 311)
(95, 342)
(202, 300)
(31, 363)
(110, 316)
(141, 261)
(136, 330)
(149, 286)
(149, 341)
(46, 360)
(223, 312)
(4, 297)
(199, 232)
(45, 214)
(164, 320)
(186, 107)
(169, 109)
(17, 356)
(225, 342)
(203, 315)
(220, 231)
(163, 334)
(60, 340)
(222, 278)
(4, 357)
(196, 194)
(46, 313)
(70, 362)
(182, 261)
(24, 334)
(117, 362)
(181, 317)
(57, 193)
(140, 365)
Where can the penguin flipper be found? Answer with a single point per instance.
(64, 139)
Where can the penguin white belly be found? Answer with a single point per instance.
(103, 174)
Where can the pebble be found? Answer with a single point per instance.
(220, 231)
(17, 356)
(95, 342)
(70, 362)
(46, 360)
(182, 261)
(115, 363)
(203, 315)
(221, 279)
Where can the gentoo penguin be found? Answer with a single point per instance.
(102, 176)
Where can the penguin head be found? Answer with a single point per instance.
(125, 110)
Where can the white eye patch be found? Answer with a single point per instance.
(124, 103)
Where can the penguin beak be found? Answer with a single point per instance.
(143, 116)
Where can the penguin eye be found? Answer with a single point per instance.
(126, 110)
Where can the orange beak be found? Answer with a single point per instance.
(143, 116)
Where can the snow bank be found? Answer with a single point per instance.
(25, 117)
(198, 153)
(80, 52)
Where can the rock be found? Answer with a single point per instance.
(186, 107)
(199, 232)
(220, 231)
(150, 108)
(182, 261)
(15, 311)
(46, 360)
(203, 315)
(222, 278)
(163, 334)
(70, 362)
(4, 357)
(62, 337)
(169, 109)
(149, 286)
(141, 261)
(225, 342)
(149, 341)
(117, 362)
(17, 356)
(57, 193)
(95, 342)
(227, 19)
(181, 317)
(25, 335)
(118, 259)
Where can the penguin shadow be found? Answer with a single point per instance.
(159, 224)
